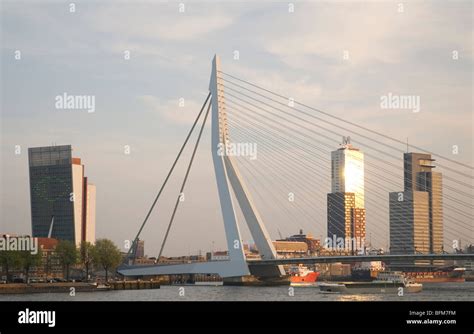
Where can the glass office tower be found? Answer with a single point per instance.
(345, 204)
(58, 190)
(418, 208)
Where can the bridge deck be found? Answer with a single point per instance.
(233, 268)
(362, 258)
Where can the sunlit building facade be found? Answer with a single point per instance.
(432, 183)
(347, 172)
(345, 204)
(88, 232)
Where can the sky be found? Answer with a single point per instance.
(298, 54)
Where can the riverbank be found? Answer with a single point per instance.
(23, 288)
(20, 288)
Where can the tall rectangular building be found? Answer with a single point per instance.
(50, 187)
(419, 176)
(422, 195)
(345, 203)
(58, 189)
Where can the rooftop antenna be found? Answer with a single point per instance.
(408, 150)
(51, 227)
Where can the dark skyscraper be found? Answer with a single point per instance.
(416, 214)
(50, 189)
(58, 189)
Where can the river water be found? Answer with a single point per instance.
(431, 292)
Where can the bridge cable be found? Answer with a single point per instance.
(319, 134)
(134, 244)
(349, 122)
(456, 201)
(248, 127)
(231, 122)
(178, 200)
(332, 132)
(333, 124)
(369, 164)
(368, 199)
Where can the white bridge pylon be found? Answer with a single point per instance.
(227, 177)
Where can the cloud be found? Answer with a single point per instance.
(170, 110)
(374, 32)
(302, 88)
(156, 30)
(145, 21)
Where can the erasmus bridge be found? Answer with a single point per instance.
(294, 140)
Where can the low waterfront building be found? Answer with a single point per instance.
(291, 248)
(314, 245)
(50, 266)
(181, 259)
(219, 256)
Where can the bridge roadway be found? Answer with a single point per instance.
(242, 268)
(361, 258)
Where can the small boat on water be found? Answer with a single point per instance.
(208, 283)
(102, 287)
(386, 282)
(301, 276)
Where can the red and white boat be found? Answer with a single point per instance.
(302, 276)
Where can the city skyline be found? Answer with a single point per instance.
(421, 185)
(142, 111)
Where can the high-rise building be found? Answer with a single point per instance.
(418, 208)
(347, 172)
(62, 202)
(345, 204)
